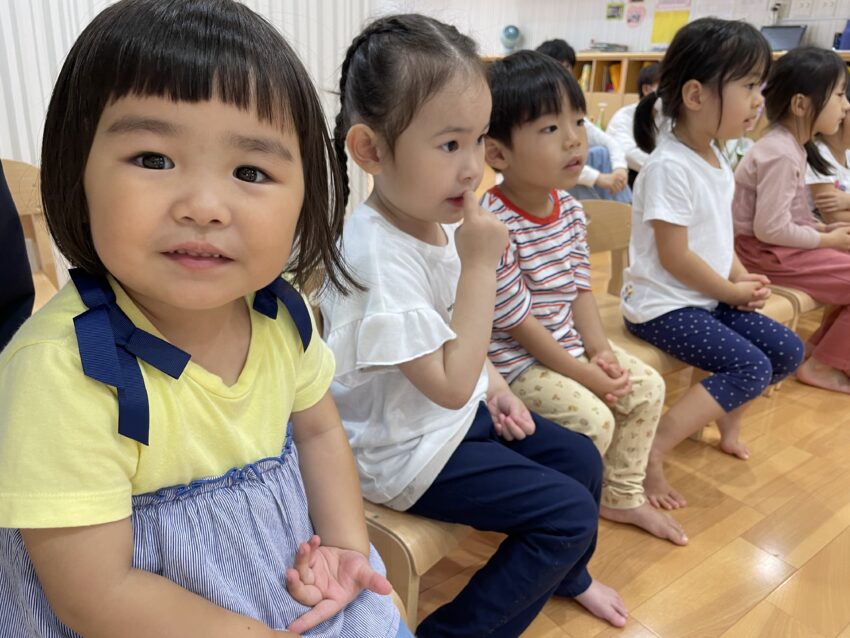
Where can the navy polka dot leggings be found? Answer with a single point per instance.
(746, 351)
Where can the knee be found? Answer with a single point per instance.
(788, 357)
(577, 516)
(755, 375)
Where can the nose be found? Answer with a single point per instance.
(472, 167)
(572, 135)
(202, 203)
(845, 104)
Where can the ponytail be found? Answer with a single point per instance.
(644, 128)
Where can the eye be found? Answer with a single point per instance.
(480, 139)
(549, 129)
(450, 147)
(580, 121)
(153, 161)
(250, 174)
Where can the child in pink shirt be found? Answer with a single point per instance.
(776, 233)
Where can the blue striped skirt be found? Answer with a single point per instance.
(229, 539)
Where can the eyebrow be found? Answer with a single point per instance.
(261, 145)
(459, 129)
(135, 124)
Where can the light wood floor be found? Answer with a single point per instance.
(769, 551)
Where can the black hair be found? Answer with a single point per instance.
(648, 76)
(391, 69)
(526, 85)
(191, 51)
(560, 50)
(709, 50)
(809, 71)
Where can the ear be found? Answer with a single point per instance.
(800, 105)
(496, 154)
(693, 95)
(366, 148)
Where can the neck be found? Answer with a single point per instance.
(696, 140)
(796, 128)
(836, 147)
(533, 199)
(217, 338)
(429, 232)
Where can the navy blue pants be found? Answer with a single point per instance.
(746, 351)
(543, 492)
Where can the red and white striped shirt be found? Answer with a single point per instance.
(546, 265)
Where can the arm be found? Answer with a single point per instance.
(832, 203)
(448, 375)
(776, 183)
(617, 179)
(89, 580)
(330, 477)
(677, 258)
(620, 128)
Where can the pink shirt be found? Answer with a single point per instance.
(770, 193)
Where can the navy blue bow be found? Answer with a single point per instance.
(109, 344)
(265, 302)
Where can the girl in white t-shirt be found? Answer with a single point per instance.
(829, 194)
(685, 291)
(435, 429)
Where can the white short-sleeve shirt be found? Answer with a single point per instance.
(678, 186)
(400, 438)
(840, 177)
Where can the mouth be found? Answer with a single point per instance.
(456, 201)
(197, 256)
(574, 164)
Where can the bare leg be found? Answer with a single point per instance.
(683, 419)
(818, 374)
(646, 517)
(730, 428)
(603, 602)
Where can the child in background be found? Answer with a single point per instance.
(605, 172)
(149, 483)
(548, 341)
(621, 126)
(685, 291)
(435, 430)
(776, 232)
(829, 191)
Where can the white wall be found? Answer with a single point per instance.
(579, 21)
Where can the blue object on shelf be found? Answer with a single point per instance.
(844, 42)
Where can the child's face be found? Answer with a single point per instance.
(832, 115)
(440, 155)
(742, 100)
(192, 205)
(548, 152)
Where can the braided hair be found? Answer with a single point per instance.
(391, 68)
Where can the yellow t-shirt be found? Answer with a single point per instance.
(62, 461)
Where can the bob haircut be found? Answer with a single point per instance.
(188, 51)
(711, 51)
(810, 71)
(527, 85)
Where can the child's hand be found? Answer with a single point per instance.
(614, 182)
(607, 360)
(759, 295)
(748, 294)
(832, 201)
(838, 238)
(327, 579)
(482, 237)
(602, 384)
(511, 419)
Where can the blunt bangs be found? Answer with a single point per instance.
(527, 85)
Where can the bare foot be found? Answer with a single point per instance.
(603, 602)
(647, 517)
(658, 491)
(730, 429)
(812, 372)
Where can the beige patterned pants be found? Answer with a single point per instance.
(623, 432)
